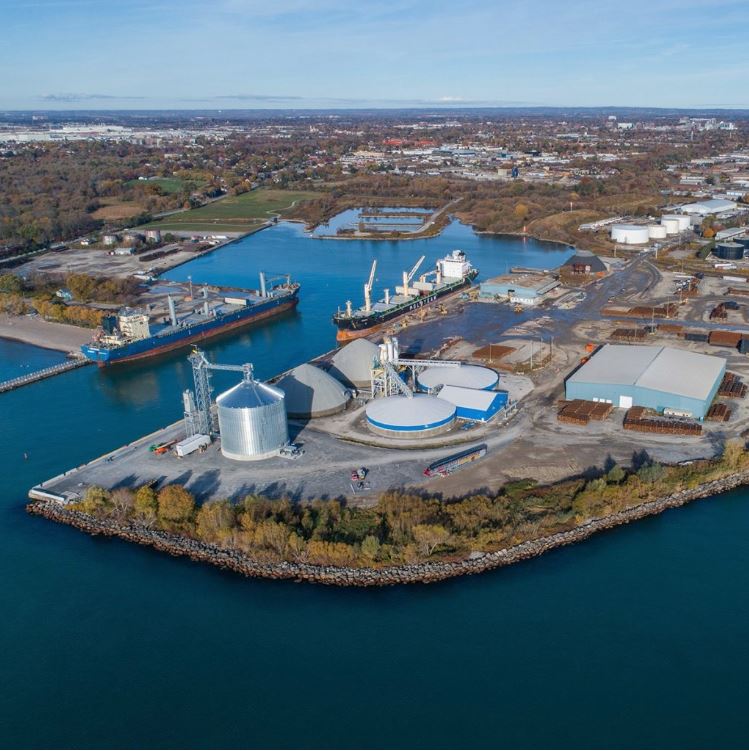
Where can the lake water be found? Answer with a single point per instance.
(18, 359)
(635, 638)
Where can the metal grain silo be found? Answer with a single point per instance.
(252, 421)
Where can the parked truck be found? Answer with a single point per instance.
(453, 463)
(192, 443)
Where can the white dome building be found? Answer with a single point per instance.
(352, 364)
(311, 392)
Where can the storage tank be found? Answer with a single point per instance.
(352, 364)
(252, 421)
(742, 241)
(656, 232)
(419, 416)
(671, 225)
(466, 376)
(629, 234)
(683, 222)
(153, 235)
(110, 240)
(311, 392)
(729, 251)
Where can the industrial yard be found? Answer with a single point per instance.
(476, 373)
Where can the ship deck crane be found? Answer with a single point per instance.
(409, 275)
(368, 287)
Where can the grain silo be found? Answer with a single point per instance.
(311, 392)
(352, 364)
(417, 416)
(252, 421)
(465, 376)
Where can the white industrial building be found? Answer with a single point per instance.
(665, 379)
(712, 206)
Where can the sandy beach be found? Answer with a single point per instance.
(41, 333)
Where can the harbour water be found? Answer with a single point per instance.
(635, 638)
(20, 359)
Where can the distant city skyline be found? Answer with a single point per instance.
(306, 54)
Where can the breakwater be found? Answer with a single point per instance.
(418, 573)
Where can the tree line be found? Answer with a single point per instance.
(404, 527)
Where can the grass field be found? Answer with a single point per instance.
(234, 213)
(113, 209)
(168, 184)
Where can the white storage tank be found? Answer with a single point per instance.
(630, 234)
(252, 421)
(466, 376)
(671, 225)
(656, 232)
(352, 364)
(419, 416)
(682, 220)
(311, 392)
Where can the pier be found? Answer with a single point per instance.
(40, 375)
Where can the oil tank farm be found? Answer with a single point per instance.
(474, 404)
(657, 232)
(643, 376)
(252, 421)
(630, 234)
(729, 251)
(311, 392)
(417, 416)
(352, 364)
(465, 376)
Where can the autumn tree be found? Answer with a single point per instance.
(429, 537)
(176, 504)
(215, 520)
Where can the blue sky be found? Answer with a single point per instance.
(149, 54)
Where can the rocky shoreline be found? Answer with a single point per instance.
(419, 573)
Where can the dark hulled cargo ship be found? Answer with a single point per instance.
(128, 336)
(453, 273)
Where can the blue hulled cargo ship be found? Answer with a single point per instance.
(128, 336)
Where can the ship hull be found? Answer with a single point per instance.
(153, 346)
(357, 327)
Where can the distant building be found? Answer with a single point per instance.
(520, 289)
(711, 206)
(583, 263)
(64, 294)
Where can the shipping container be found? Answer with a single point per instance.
(193, 443)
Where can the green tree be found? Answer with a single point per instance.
(176, 504)
(616, 475)
(145, 504)
(96, 501)
(10, 283)
(370, 548)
